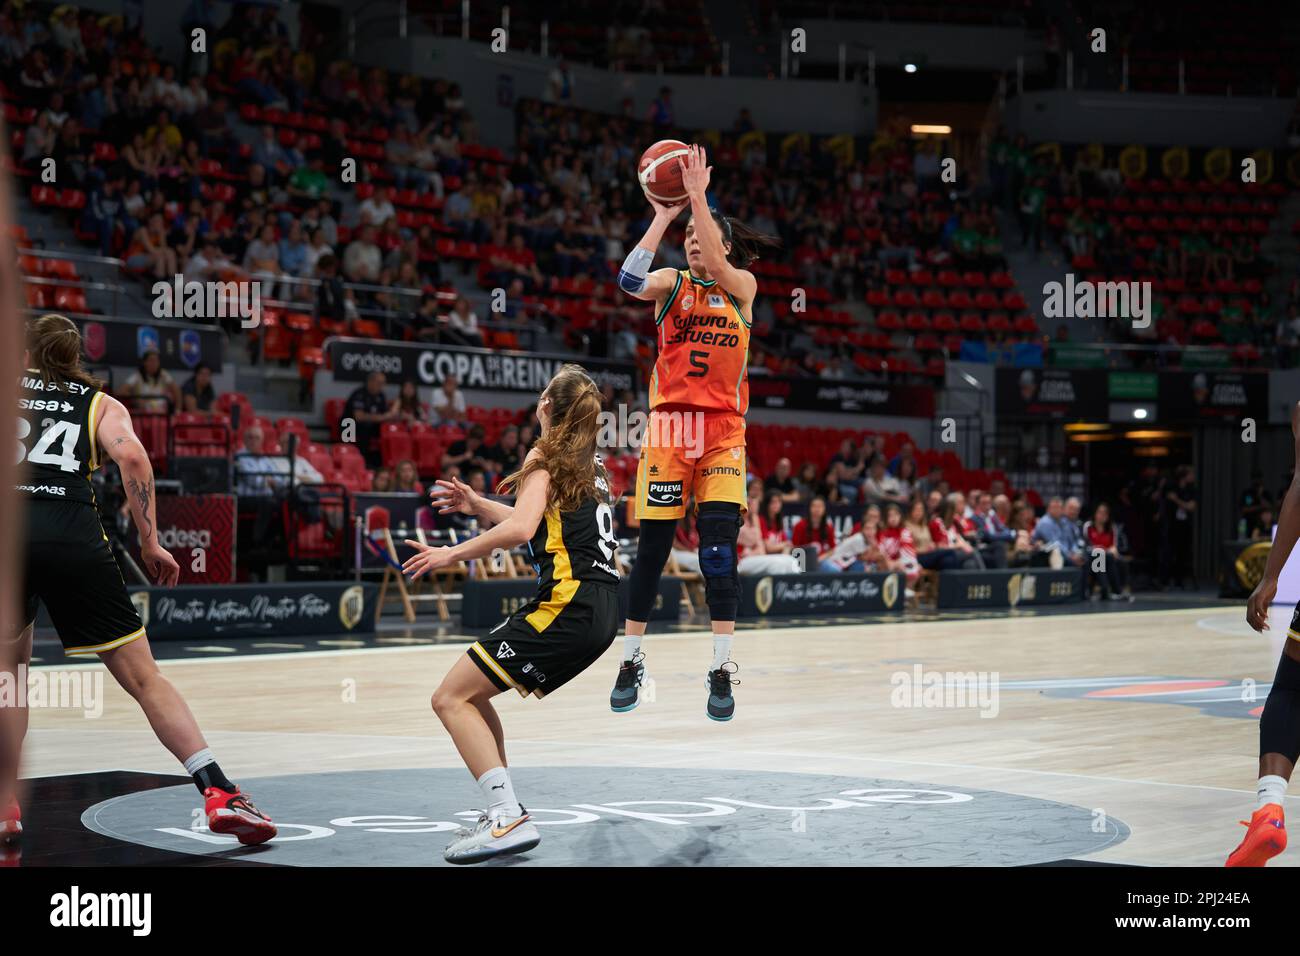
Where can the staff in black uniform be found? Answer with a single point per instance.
(562, 512)
(65, 422)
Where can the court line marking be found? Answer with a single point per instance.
(684, 636)
(680, 748)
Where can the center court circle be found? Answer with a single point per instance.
(628, 816)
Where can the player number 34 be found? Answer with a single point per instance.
(65, 433)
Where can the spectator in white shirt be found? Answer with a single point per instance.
(462, 324)
(448, 404)
(377, 209)
(362, 260)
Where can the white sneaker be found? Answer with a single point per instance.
(489, 838)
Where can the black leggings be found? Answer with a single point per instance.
(652, 550)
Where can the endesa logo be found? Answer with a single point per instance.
(175, 537)
(371, 362)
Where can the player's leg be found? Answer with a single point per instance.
(493, 720)
(652, 550)
(463, 703)
(1279, 746)
(15, 657)
(718, 523)
(720, 490)
(663, 476)
(228, 810)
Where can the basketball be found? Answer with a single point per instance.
(660, 171)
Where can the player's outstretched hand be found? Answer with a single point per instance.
(161, 565)
(696, 170)
(425, 559)
(1257, 605)
(454, 495)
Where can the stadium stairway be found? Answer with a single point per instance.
(1282, 247)
(1032, 272)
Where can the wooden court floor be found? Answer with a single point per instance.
(1091, 710)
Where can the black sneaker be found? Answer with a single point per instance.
(721, 704)
(627, 689)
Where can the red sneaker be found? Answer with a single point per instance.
(1265, 837)
(11, 822)
(234, 813)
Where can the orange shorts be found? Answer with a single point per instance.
(687, 453)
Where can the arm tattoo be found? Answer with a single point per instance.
(121, 440)
(142, 494)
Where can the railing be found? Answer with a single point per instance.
(79, 284)
(392, 320)
(39, 253)
(1125, 355)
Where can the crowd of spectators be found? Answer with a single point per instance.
(173, 186)
(908, 523)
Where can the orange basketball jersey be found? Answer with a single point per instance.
(703, 358)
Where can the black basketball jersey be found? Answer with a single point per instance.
(56, 438)
(574, 546)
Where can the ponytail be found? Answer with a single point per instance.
(747, 244)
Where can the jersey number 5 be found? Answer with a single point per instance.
(699, 367)
(66, 433)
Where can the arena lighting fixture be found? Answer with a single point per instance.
(1149, 434)
(923, 129)
(1086, 427)
(1125, 412)
(909, 67)
(1091, 439)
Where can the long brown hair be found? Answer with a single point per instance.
(54, 343)
(567, 448)
(747, 243)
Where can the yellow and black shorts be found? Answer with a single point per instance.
(69, 567)
(516, 655)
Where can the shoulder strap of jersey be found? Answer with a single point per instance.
(672, 297)
(92, 427)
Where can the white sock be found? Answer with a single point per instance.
(1271, 789)
(631, 644)
(197, 761)
(499, 794)
(721, 650)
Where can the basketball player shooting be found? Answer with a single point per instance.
(703, 315)
(1279, 725)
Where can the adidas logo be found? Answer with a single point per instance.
(504, 651)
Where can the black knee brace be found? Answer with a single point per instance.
(719, 525)
(1279, 725)
(652, 550)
